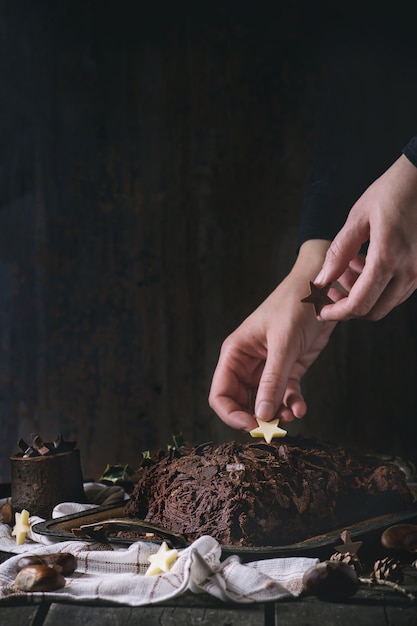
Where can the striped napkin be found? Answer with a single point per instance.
(118, 575)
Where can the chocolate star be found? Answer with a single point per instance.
(318, 296)
(348, 545)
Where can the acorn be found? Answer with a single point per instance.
(39, 578)
(63, 562)
(331, 580)
(400, 537)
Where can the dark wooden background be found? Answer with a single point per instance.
(152, 165)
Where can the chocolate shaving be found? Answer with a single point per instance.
(27, 450)
(41, 448)
(235, 467)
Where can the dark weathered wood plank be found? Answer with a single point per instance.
(68, 615)
(401, 616)
(312, 612)
(21, 615)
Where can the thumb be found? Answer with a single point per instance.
(344, 247)
(271, 389)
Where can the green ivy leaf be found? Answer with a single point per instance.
(177, 442)
(117, 473)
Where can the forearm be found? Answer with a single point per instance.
(309, 260)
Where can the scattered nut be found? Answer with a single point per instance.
(63, 562)
(25, 561)
(400, 537)
(6, 513)
(331, 580)
(39, 578)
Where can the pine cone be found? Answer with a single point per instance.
(350, 559)
(388, 569)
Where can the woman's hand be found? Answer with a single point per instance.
(262, 362)
(386, 215)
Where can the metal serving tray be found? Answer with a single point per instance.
(103, 522)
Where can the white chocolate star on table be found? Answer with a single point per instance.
(268, 430)
(161, 561)
(21, 527)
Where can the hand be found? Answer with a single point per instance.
(262, 362)
(386, 215)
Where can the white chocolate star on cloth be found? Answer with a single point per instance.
(161, 561)
(21, 527)
(268, 430)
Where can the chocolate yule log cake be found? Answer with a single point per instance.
(260, 494)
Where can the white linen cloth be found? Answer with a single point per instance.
(118, 575)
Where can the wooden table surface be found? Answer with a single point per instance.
(379, 606)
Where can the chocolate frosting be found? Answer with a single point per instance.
(260, 494)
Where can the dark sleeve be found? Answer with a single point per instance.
(410, 150)
(364, 124)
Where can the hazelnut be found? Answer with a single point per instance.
(64, 562)
(400, 537)
(331, 580)
(39, 578)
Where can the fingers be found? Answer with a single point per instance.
(279, 394)
(236, 374)
(365, 286)
(373, 289)
(382, 297)
(349, 276)
(230, 399)
(392, 296)
(342, 250)
(231, 394)
(295, 405)
(271, 387)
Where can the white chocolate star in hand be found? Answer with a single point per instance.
(21, 527)
(268, 430)
(161, 561)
